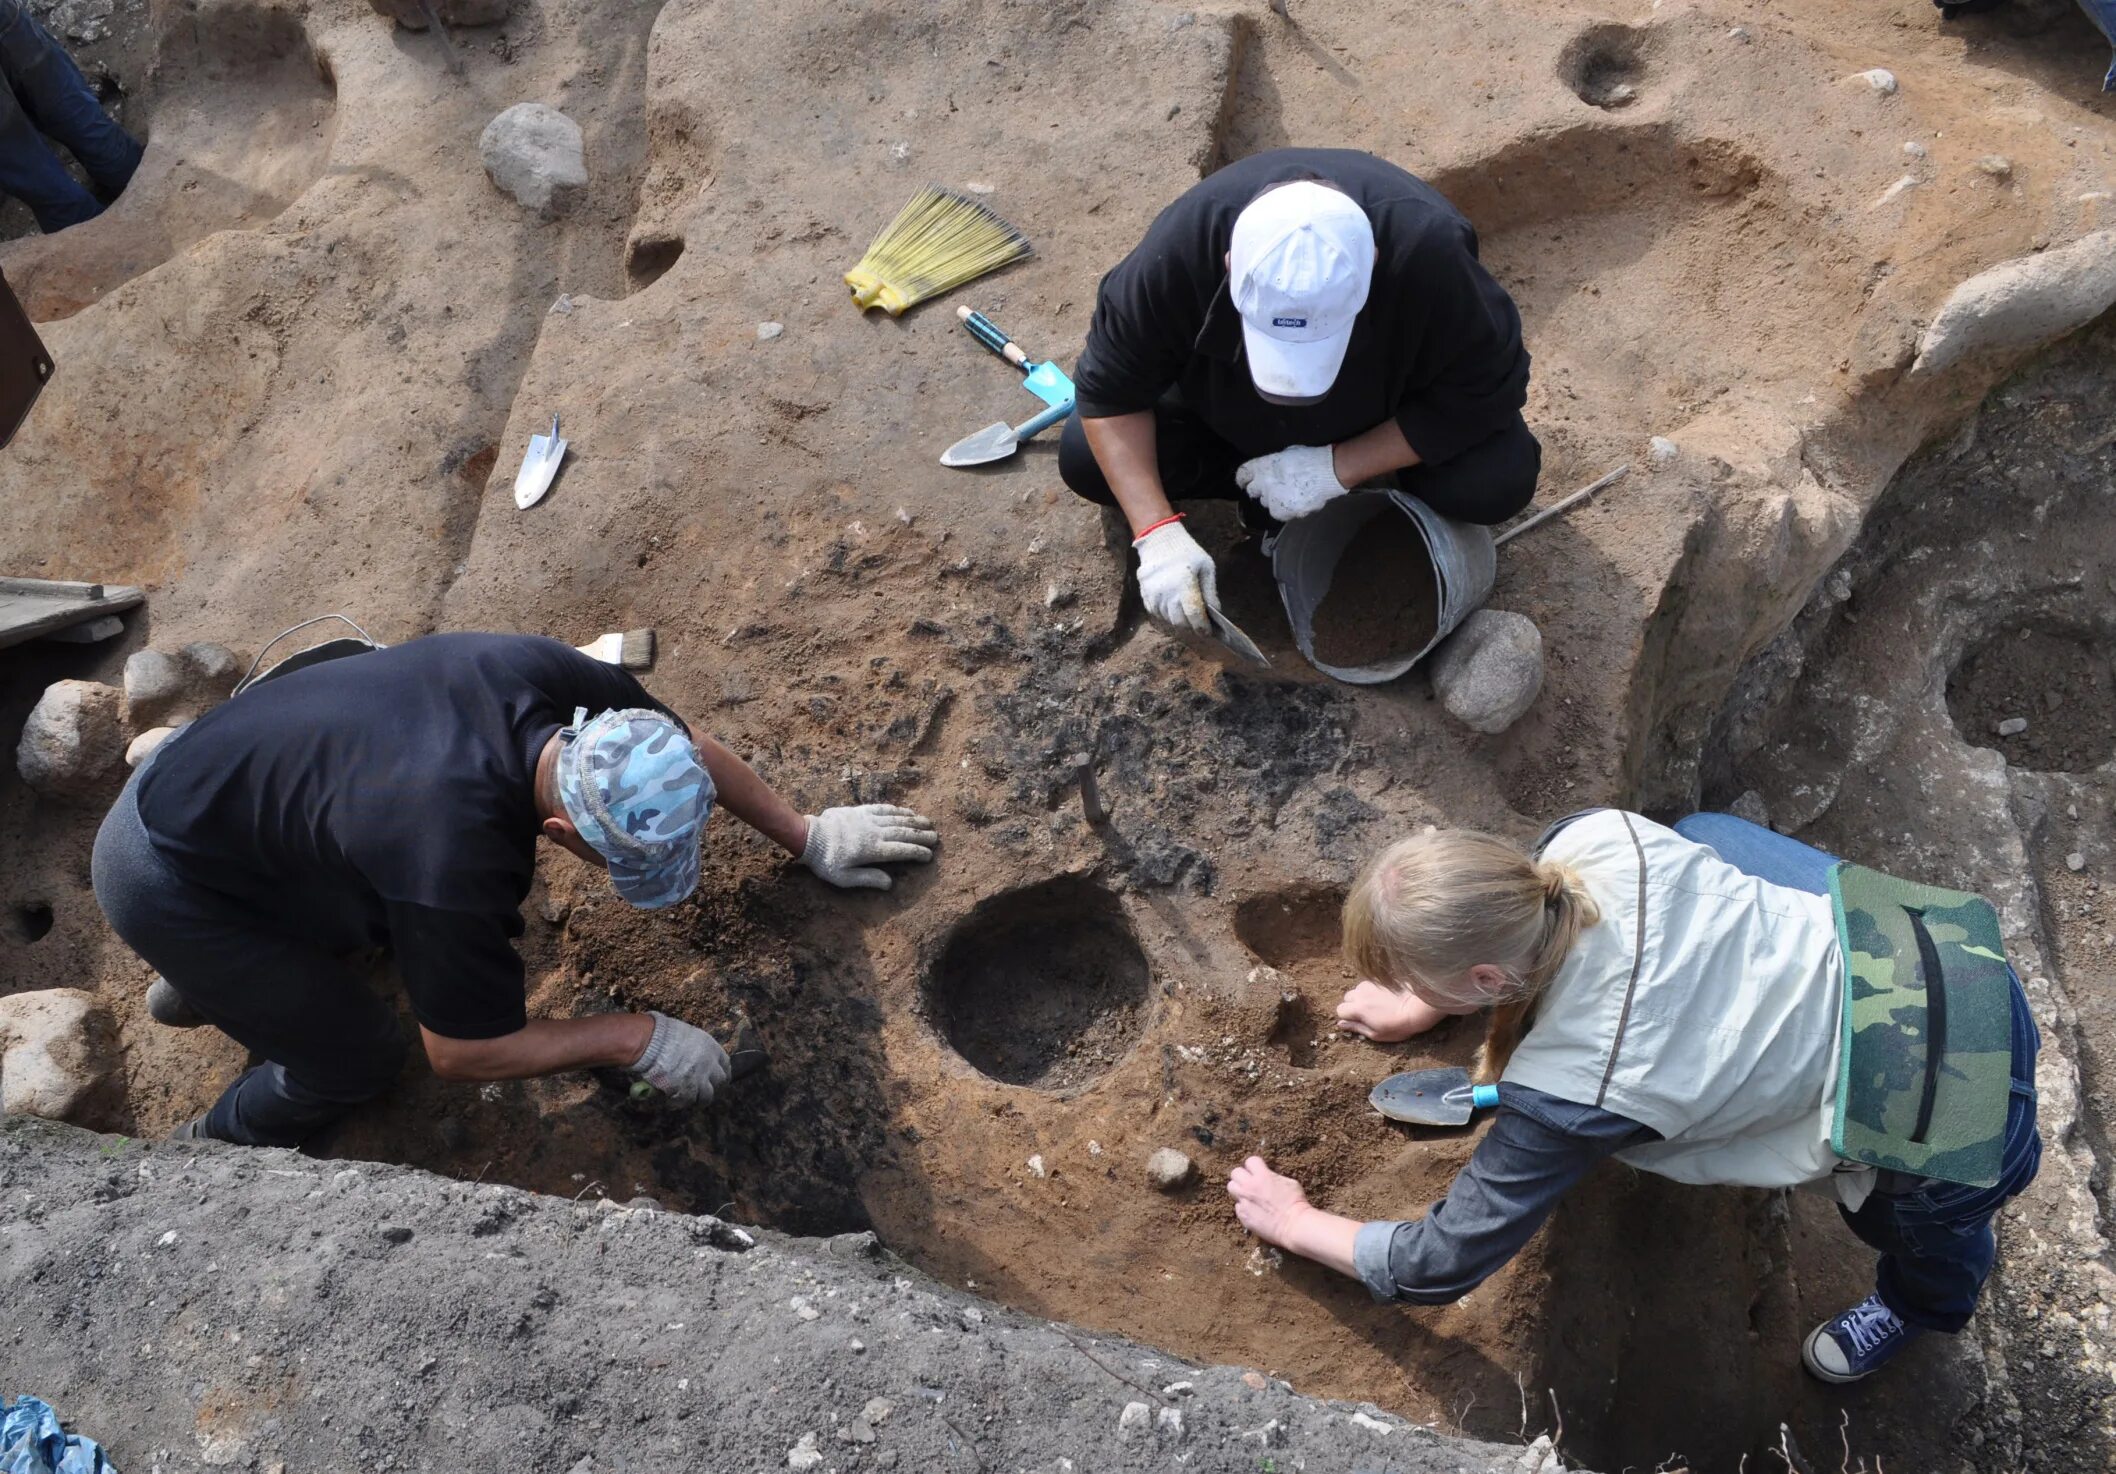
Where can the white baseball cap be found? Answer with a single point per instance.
(1299, 267)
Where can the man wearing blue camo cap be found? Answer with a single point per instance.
(394, 798)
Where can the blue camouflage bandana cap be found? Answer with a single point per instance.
(632, 785)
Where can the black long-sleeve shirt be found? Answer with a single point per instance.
(386, 798)
(1437, 348)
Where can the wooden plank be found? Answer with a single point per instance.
(33, 607)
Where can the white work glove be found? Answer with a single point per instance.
(1292, 482)
(684, 1063)
(1176, 578)
(845, 845)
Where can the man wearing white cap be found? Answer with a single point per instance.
(1298, 324)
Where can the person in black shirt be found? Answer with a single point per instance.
(394, 797)
(1300, 323)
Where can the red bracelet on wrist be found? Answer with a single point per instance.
(1156, 526)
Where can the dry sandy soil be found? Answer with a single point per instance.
(299, 361)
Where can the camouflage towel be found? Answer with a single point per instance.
(1927, 1061)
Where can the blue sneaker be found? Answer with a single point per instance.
(1857, 1343)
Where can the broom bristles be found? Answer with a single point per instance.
(938, 241)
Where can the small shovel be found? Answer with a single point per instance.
(1442, 1097)
(539, 467)
(996, 442)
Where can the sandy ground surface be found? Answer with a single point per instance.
(300, 360)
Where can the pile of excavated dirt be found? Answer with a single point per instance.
(273, 1312)
(300, 360)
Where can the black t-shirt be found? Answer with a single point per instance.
(1437, 347)
(386, 798)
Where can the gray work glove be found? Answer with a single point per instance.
(683, 1062)
(846, 844)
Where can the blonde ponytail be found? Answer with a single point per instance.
(1429, 908)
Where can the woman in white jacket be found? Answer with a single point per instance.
(1672, 997)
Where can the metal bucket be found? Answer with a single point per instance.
(1306, 554)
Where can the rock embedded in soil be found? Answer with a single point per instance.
(142, 747)
(1490, 671)
(74, 740)
(534, 152)
(1382, 605)
(53, 1052)
(154, 684)
(1170, 1170)
(411, 14)
(2022, 303)
(2012, 726)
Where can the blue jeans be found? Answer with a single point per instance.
(42, 93)
(1934, 1238)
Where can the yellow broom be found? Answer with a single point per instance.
(938, 241)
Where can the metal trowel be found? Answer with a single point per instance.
(1442, 1097)
(539, 467)
(996, 442)
(1230, 634)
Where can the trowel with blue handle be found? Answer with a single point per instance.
(1045, 380)
(1442, 1097)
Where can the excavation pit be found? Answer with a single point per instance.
(1604, 65)
(2056, 684)
(1044, 987)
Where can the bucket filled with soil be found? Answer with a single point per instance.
(1376, 579)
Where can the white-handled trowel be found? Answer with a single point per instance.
(539, 467)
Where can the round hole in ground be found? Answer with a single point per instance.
(1604, 65)
(30, 921)
(1289, 927)
(1045, 986)
(2043, 696)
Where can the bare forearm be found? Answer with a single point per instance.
(1125, 449)
(542, 1047)
(1372, 453)
(752, 800)
(1324, 1237)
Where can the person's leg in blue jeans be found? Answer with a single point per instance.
(1935, 1238)
(46, 92)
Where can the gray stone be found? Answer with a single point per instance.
(155, 685)
(214, 666)
(1168, 1169)
(2076, 861)
(1134, 1421)
(2012, 726)
(53, 1052)
(1662, 451)
(143, 746)
(1490, 670)
(73, 742)
(533, 152)
(1168, 1423)
(1750, 806)
(2023, 303)
(766, 331)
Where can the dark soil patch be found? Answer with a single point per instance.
(1042, 987)
(2060, 684)
(1383, 603)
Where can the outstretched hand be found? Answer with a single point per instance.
(847, 846)
(1267, 1204)
(1385, 1015)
